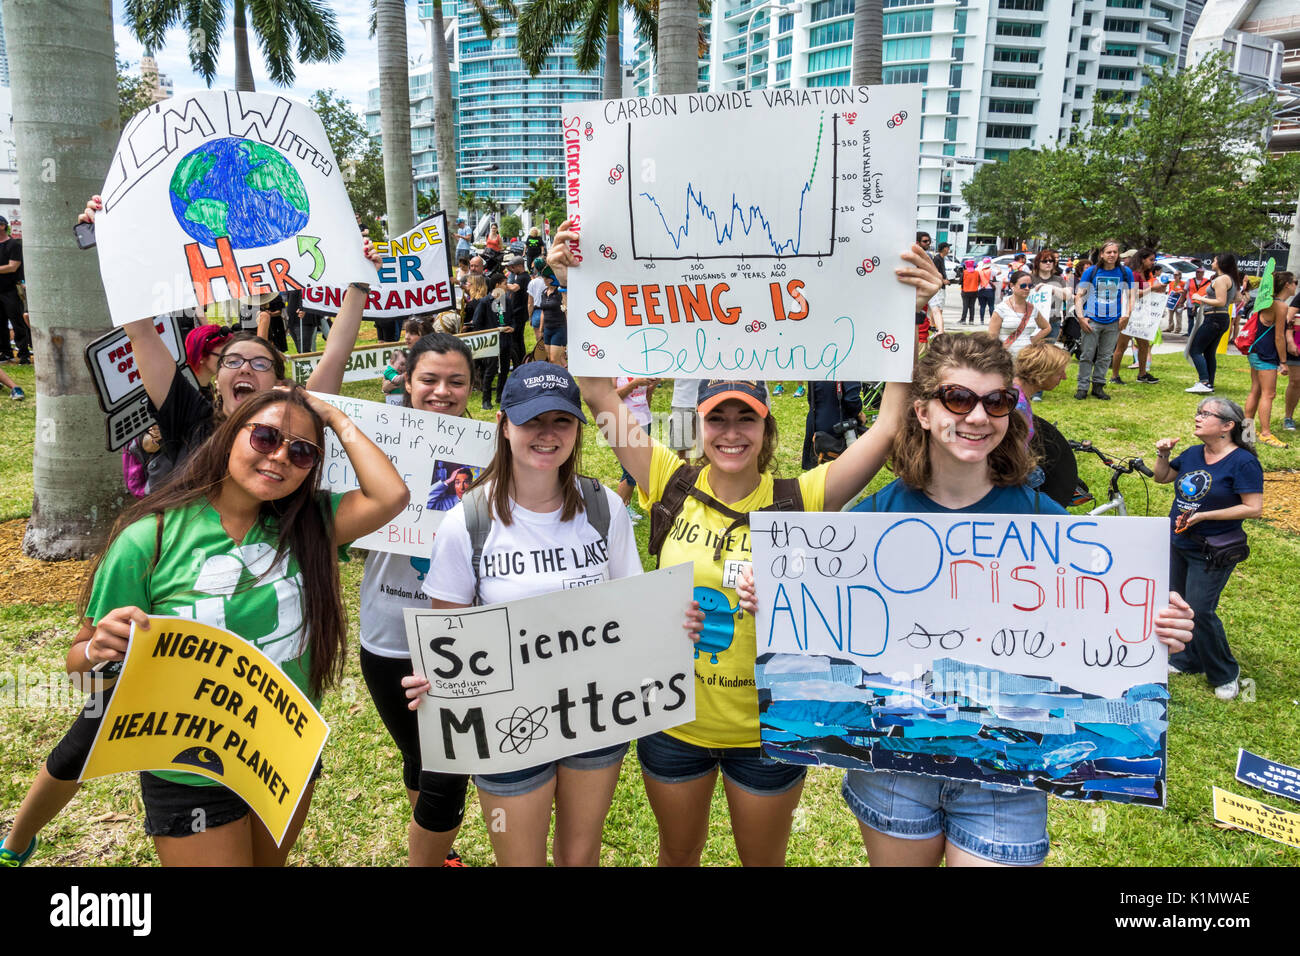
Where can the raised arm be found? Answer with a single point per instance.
(630, 442)
(327, 377)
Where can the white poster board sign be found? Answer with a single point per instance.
(1144, 321)
(519, 684)
(437, 456)
(413, 279)
(1012, 649)
(1040, 297)
(223, 196)
(369, 361)
(747, 234)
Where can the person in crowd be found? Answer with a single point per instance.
(534, 247)
(636, 394)
(1143, 267)
(536, 498)
(830, 404)
(970, 288)
(516, 313)
(464, 239)
(1225, 285)
(1217, 484)
(1038, 369)
(1045, 271)
(493, 240)
(961, 388)
(738, 440)
(440, 376)
(987, 294)
(1293, 362)
(554, 326)
(12, 311)
(394, 383)
(1102, 300)
(203, 347)
(254, 483)
(1177, 288)
(15, 393)
(1015, 313)
(1266, 356)
(488, 313)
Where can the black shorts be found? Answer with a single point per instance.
(69, 754)
(179, 810)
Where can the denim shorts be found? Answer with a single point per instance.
(668, 760)
(558, 337)
(519, 782)
(1008, 827)
(1260, 365)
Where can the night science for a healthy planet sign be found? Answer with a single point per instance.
(520, 684)
(198, 699)
(1006, 649)
(743, 234)
(223, 196)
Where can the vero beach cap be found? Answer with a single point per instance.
(715, 391)
(540, 387)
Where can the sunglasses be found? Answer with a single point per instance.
(1022, 285)
(260, 363)
(961, 400)
(265, 439)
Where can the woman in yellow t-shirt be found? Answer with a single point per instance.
(739, 440)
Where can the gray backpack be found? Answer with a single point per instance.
(478, 520)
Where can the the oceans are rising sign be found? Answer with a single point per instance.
(520, 684)
(223, 196)
(750, 234)
(1015, 650)
(194, 698)
(437, 455)
(414, 277)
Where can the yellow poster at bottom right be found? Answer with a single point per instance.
(1257, 817)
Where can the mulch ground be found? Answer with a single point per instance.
(25, 581)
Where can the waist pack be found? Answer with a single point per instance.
(1225, 549)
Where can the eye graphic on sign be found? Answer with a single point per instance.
(869, 265)
(887, 341)
(594, 350)
(587, 131)
(616, 174)
(608, 252)
(897, 119)
(755, 326)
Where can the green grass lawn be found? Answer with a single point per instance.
(359, 814)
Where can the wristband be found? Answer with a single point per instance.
(363, 286)
(85, 650)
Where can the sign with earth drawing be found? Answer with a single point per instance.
(223, 196)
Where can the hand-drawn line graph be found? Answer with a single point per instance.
(711, 211)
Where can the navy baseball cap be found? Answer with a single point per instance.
(540, 387)
(715, 391)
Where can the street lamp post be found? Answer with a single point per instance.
(777, 7)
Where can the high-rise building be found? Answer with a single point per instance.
(160, 84)
(505, 118)
(997, 75)
(4, 53)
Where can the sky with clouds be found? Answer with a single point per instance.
(351, 77)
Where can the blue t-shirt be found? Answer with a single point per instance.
(1012, 500)
(1104, 302)
(1202, 487)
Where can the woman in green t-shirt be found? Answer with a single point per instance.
(247, 504)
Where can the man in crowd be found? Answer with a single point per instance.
(11, 302)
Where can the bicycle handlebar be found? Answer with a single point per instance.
(1128, 466)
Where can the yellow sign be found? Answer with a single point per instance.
(1257, 817)
(197, 699)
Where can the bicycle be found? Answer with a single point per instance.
(1118, 468)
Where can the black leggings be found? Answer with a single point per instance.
(968, 306)
(987, 300)
(1205, 345)
(487, 372)
(440, 805)
(69, 754)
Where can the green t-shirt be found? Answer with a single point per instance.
(203, 575)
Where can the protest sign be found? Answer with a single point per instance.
(369, 361)
(520, 684)
(219, 196)
(1276, 778)
(750, 233)
(1040, 297)
(194, 698)
(1014, 650)
(436, 455)
(1144, 320)
(118, 385)
(414, 278)
(1269, 822)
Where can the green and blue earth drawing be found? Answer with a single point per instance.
(240, 190)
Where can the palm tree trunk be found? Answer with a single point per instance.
(66, 125)
(613, 60)
(395, 114)
(678, 54)
(868, 52)
(444, 121)
(243, 66)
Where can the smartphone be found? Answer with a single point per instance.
(85, 233)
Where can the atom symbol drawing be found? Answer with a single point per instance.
(521, 728)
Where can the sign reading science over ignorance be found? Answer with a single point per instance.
(744, 234)
(520, 684)
(197, 699)
(223, 196)
(1008, 649)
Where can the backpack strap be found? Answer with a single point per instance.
(478, 522)
(665, 511)
(596, 504)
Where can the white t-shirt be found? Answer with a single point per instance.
(534, 554)
(686, 393)
(1011, 321)
(391, 582)
(637, 401)
(535, 289)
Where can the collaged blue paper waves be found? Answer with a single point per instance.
(966, 722)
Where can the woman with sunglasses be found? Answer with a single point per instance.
(536, 500)
(1217, 484)
(230, 540)
(1044, 270)
(738, 438)
(439, 378)
(1015, 312)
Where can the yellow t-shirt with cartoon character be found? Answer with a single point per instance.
(726, 700)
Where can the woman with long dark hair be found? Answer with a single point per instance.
(1215, 320)
(1267, 356)
(1143, 266)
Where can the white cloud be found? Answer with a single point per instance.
(351, 77)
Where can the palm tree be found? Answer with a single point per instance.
(544, 23)
(868, 49)
(470, 203)
(491, 205)
(677, 52)
(395, 113)
(64, 118)
(279, 25)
